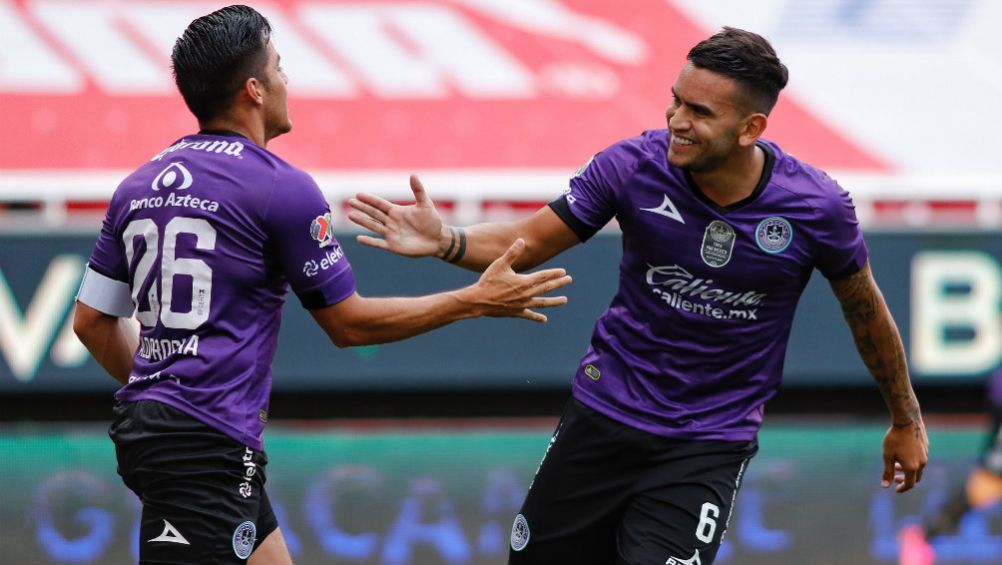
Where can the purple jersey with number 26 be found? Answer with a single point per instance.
(209, 235)
(692, 345)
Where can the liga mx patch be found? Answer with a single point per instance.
(773, 235)
(243, 539)
(322, 229)
(519, 533)
(718, 244)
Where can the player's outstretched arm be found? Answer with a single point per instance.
(108, 338)
(906, 446)
(500, 292)
(416, 230)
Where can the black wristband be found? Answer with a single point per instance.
(462, 246)
(452, 244)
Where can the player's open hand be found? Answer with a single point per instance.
(906, 452)
(503, 292)
(412, 230)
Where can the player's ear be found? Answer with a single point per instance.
(752, 128)
(254, 90)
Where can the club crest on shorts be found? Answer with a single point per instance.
(519, 533)
(773, 235)
(243, 539)
(718, 244)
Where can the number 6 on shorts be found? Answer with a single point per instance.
(707, 525)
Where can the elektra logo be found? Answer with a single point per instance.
(174, 177)
(250, 469)
(312, 267)
(682, 291)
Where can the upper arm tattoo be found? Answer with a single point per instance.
(857, 296)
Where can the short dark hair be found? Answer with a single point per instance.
(749, 59)
(216, 54)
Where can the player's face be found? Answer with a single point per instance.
(276, 106)
(704, 119)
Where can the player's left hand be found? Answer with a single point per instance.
(906, 452)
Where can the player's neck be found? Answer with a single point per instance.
(733, 181)
(249, 128)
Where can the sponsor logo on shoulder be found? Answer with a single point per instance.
(773, 235)
(569, 196)
(583, 168)
(243, 539)
(519, 533)
(718, 244)
(331, 257)
(322, 229)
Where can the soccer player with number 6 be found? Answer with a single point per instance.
(202, 244)
(721, 232)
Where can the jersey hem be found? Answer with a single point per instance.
(601, 406)
(229, 431)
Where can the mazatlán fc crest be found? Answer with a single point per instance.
(774, 234)
(243, 539)
(520, 532)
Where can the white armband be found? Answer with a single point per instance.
(105, 294)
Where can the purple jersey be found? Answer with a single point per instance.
(693, 343)
(209, 235)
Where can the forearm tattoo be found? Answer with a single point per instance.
(879, 344)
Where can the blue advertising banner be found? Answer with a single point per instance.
(402, 497)
(945, 290)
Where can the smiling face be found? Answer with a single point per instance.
(708, 120)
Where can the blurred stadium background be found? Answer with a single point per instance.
(420, 452)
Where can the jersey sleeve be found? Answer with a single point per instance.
(590, 200)
(108, 257)
(301, 236)
(105, 285)
(842, 249)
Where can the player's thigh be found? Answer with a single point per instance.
(201, 519)
(681, 522)
(271, 551)
(574, 502)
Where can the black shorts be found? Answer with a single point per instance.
(202, 492)
(606, 493)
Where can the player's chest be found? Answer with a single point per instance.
(671, 227)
